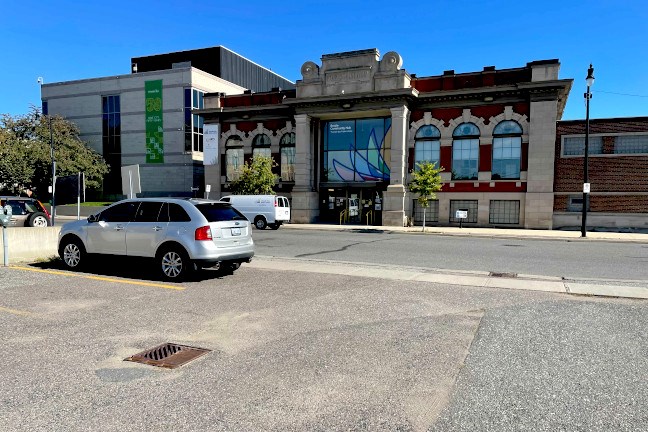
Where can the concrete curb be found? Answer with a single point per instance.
(447, 277)
(482, 232)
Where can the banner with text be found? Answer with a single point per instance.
(154, 126)
(210, 152)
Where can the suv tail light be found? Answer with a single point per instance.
(43, 209)
(275, 201)
(203, 233)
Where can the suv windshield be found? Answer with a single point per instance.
(219, 212)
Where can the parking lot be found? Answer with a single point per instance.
(289, 350)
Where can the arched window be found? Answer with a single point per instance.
(261, 145)
(233, 157)
(427, 146)
(287, 148)
(465, 152)
(507, 144)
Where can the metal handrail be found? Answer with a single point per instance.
(367, 215)
(344, 214)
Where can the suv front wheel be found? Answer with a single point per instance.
(174, 263)
(72, 253)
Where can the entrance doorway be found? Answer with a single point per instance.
(351, 205)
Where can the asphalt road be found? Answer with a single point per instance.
(569, 259)
(298, 351)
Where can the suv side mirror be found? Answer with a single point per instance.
(93, 218)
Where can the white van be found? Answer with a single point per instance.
(262, 210)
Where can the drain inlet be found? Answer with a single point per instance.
(168, 355)
(502, 274)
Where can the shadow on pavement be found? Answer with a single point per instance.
(130, 268)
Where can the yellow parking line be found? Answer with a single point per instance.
(151, 284)
(14, 311)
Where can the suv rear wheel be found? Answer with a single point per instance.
(37, 220)
(174, 263)
(72, 253)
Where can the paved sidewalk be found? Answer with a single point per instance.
(484, 232)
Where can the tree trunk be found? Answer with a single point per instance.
(423, 219)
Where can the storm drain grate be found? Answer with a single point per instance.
(503, 275)
(168, 355)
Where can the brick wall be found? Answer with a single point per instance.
(607, 173)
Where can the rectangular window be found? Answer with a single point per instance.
(575, 146)
(468, 205)
(111, 142)
(193, 123)
(631, 144)
(234, 163)
(427, 151)
(357, 150)
(575, 203)
(431, 212)
(506, 158)
(44, 107)
(261, 151)
(287, 163)
(465, 159)
(504, 212)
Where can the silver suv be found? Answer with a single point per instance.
(183, 235)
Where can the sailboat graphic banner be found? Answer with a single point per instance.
(357, 150)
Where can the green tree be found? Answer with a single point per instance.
(25, 152)
(426, 181)
(256, 177)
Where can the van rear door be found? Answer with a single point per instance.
(282, 209)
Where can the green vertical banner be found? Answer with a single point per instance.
(154, 126)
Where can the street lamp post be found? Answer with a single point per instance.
(40, 82)
(53, 170)
(586, 186)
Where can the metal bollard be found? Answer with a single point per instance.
(6, 246)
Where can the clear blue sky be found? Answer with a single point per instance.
(66, 40)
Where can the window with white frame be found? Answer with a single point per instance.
(575, 146)
(287, 149)
(427, 145)
(261, 145)
(194, 123)
(629, 144)
(465, 152)
(507, 149)
(234, 158)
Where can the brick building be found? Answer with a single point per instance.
(618, 173)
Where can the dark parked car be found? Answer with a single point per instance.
(27, 212)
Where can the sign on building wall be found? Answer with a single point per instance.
(154, 125)
(210, 150)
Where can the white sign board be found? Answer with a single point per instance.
(210, 144)
(461, 214)
(130, 180)
(586, 188)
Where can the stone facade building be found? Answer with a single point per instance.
(356, 125)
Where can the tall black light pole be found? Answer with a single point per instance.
(586, 186)
(53, 170)
(40, 81)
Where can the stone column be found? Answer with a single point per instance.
(538, 207)
(394, 199)
(305, 206)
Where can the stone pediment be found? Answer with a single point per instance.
(352, 72)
